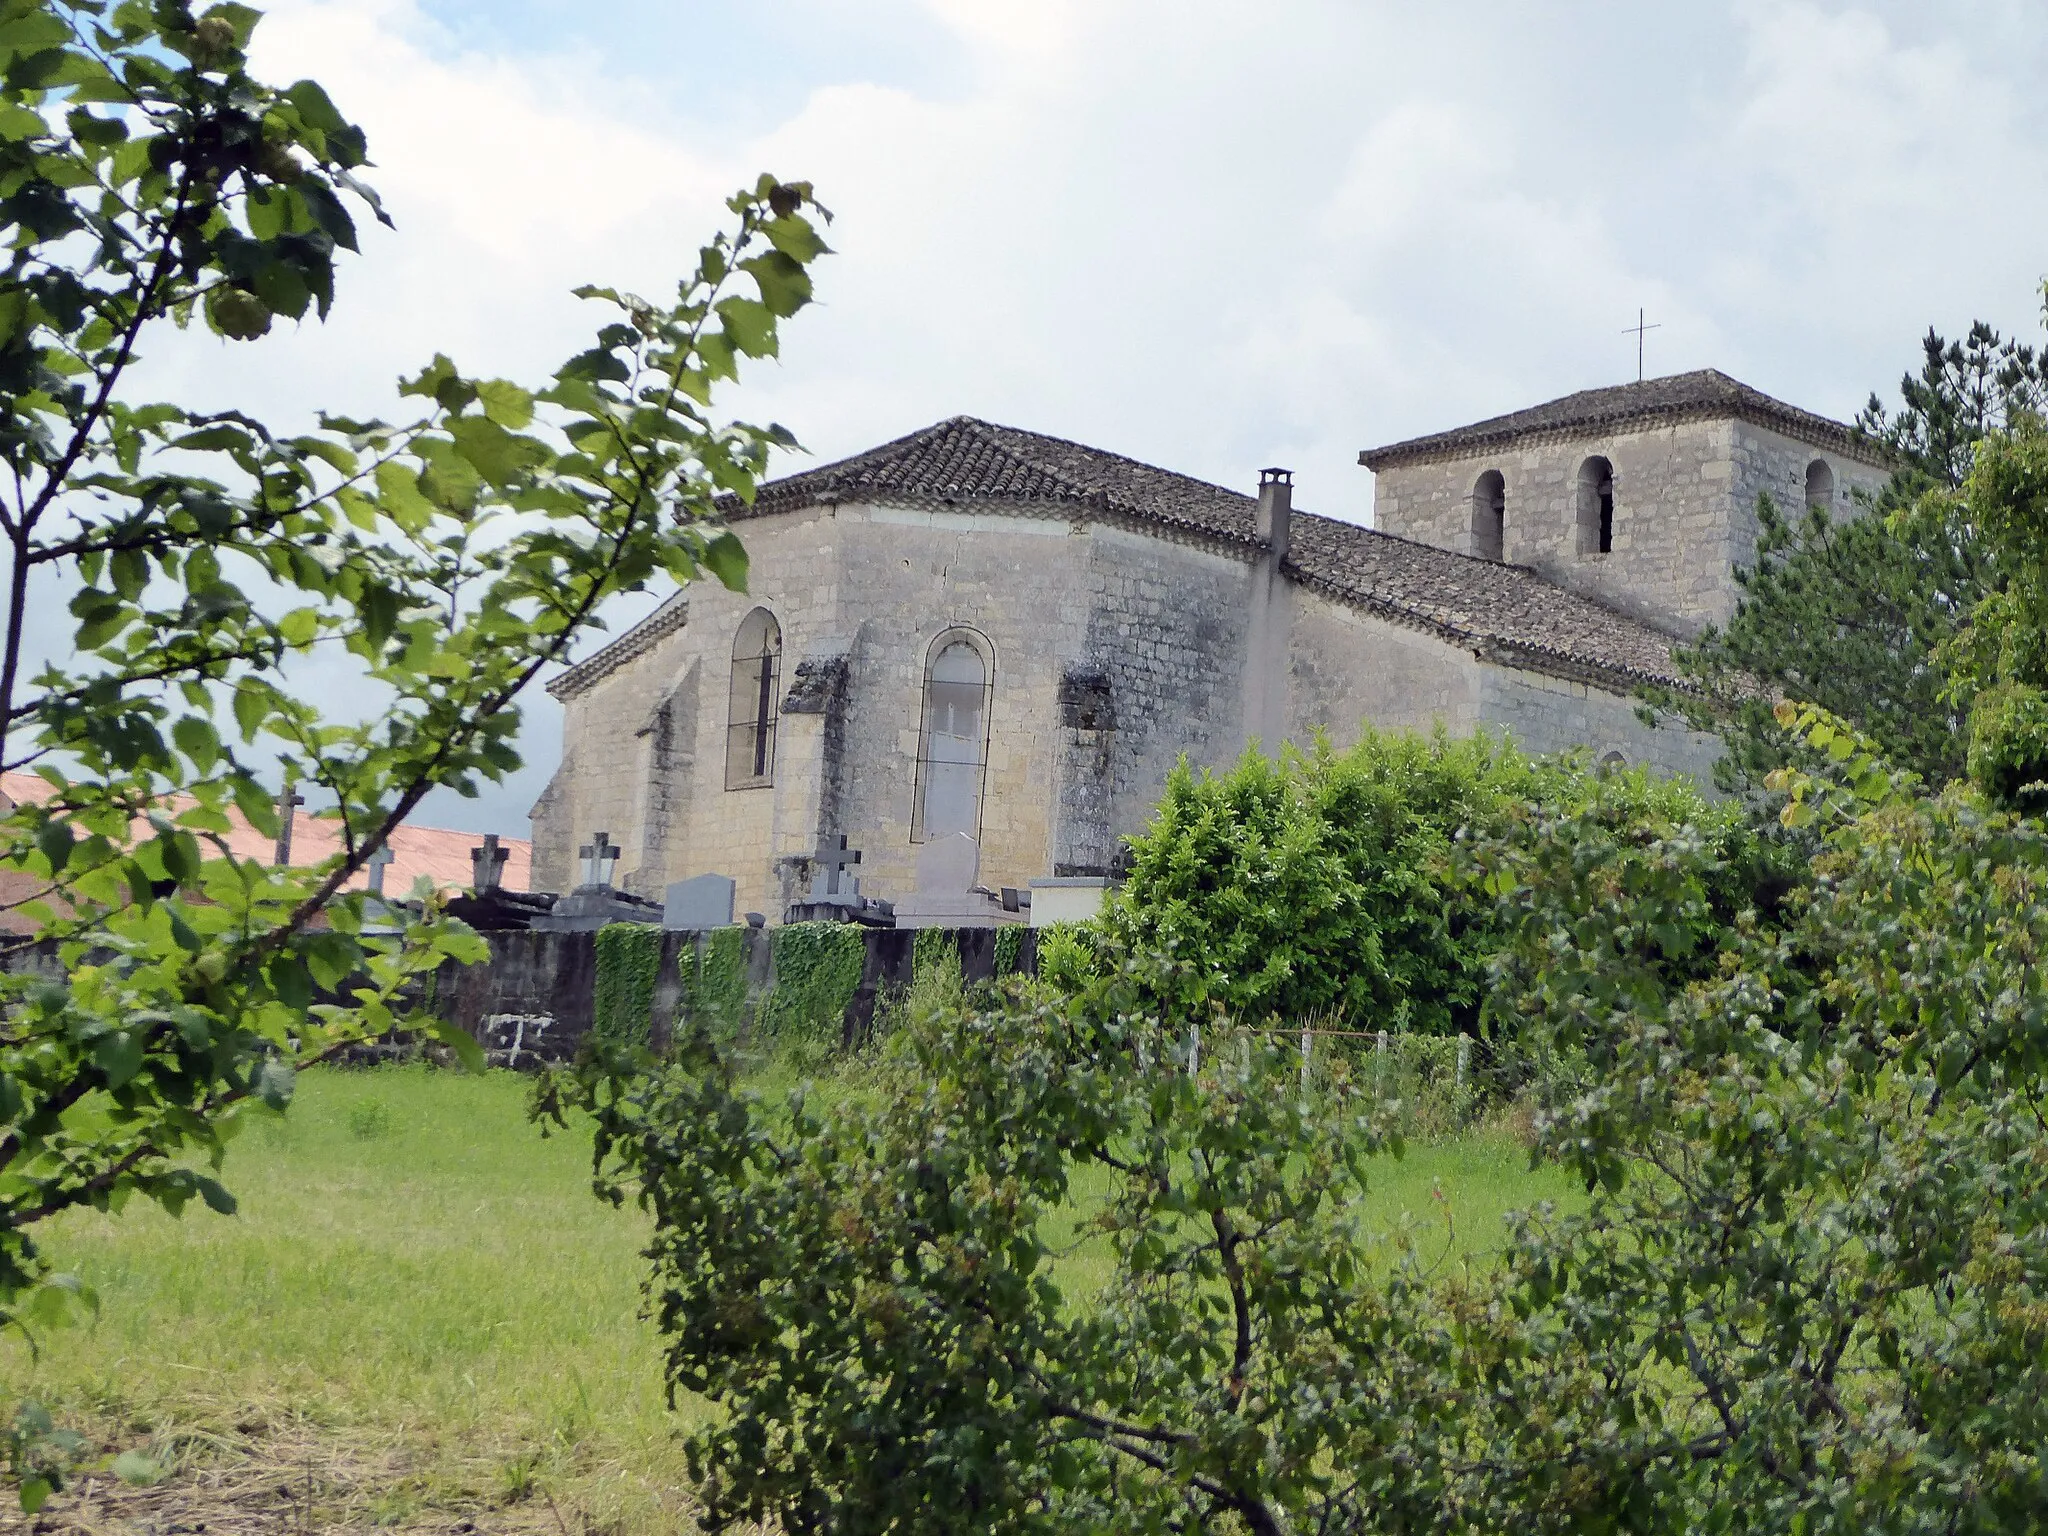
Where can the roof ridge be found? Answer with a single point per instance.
(989, 432)
(1611, 407)
(1120, 458)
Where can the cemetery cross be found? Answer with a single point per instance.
(832, 862)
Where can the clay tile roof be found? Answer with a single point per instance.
(962, 460)
(441, 855)
(1679, 397)
(1507, 612)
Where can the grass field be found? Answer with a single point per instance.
(421, 1318)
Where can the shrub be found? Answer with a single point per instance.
(1068, 955)
(1329, 885)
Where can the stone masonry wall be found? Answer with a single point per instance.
(878, 586)
(1547, 714)
(1168, 622)
(1673, 507)
(1148, 630)
(1684, 509)
(1348, 668)
(1770, 463)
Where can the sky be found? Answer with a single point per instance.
(1211, 236)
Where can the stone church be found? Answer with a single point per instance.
(984, 630)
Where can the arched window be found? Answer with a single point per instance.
(750, 722)
(953, 745)
(1596, 507)
(1489, 515)
(1820, 484)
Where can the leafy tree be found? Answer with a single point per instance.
(1966, 391)
(1999, 662)
(1850, 614)
(872, 1292)
(1818, 1216)
(1062, 1275)
(216, 569)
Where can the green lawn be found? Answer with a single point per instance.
(421, 1302)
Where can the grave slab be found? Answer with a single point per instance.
(702, 901)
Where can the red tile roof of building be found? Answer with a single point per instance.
(440, 855)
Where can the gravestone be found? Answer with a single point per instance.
(487, 864)
(835, 895)
(702, 901)
(949, 893)
(595, 903)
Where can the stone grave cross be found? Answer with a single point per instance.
(830, 863)
(598, 857)
(488, 863)
(288, 801)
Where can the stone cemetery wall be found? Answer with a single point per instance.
(541, 993)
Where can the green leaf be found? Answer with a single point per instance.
(54, 840)
(449, 481)
(119, 1056)
(462, 1043)
(499, 456)
(726, 559)
(793, 235)
(300, 627)
(215, 1195)
(749, 327)
(197, 739)
(506, 403)
(404, 502)
(316, 109)
(785, 286)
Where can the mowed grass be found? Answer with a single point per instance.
(418, 1278)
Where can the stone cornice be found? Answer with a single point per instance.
(637, 641)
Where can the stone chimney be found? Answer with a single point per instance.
(1276, 510)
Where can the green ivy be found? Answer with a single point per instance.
(817, 972)
(718, 991)
(628, 965)
(931, 949)
(1009, 948)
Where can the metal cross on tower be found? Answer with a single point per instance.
(833, 861)
(598, 857)
(1639, 330)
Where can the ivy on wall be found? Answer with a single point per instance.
(718, 991)
(932, 949)
(628, 965)
(817, 972)
(1009, 948)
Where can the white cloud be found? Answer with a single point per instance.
(1209, 234)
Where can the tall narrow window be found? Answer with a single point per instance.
(953, 746)
(750, 727)
(1820, 485)
(1489, 516)
(1596, 507)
